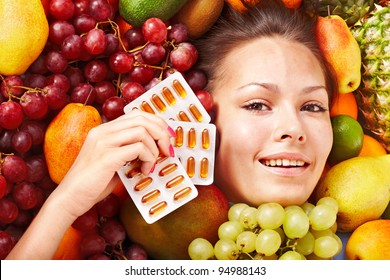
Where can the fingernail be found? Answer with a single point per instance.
(171, 131)
(171, 151)
(152, 169)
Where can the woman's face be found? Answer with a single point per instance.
(273, 121)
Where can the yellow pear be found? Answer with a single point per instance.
(361, 186)
(341, 50)
(24, 30)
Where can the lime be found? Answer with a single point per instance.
(347, 138)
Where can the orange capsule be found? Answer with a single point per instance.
(190, 167)
(179, 89)
(150, 196)
(143, 183)
(146, 107)
(158, 103)
(168, 96)
(133, 172)
(195, 113)
(161, 158)
(205, 139)
(183, 117)
(174, 182)
(204, 168)
(168, 169)
(182, 193)
(158, 207)
(191, 138)
(179, 136)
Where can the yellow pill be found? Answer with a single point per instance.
(182, 193)
(195, 113)
(168, 96)
(190, 167)
(158, 207)
(179, 136)
(179, 89)
(204, 168)
(174, 182)
(150, 196)
(143, 183)
(168, 169)
(158, 103)
(191, 139)
(146, 107)
(205, 139)
(183, 117)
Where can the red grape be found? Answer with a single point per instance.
(7, 242)
(196, 79)
(86, 221)
(184, 56)
(206, 99)
(56, 62)
(14, 169)
(8, 211)
(83, 23)
(36, 168)
(108, 206)
(113, 107)
(55, 97)
(11, 115)
(34, 105)
(112, 231)
(95, 71)
(153, 54)
(91, 244)
(104, 90)
(121, 62)
(3, 186)
(141, 74)
(136, 252)
(21, 141)
(83, 93)
(154, 30)
(134, 37)
(11, 86)
(25, 195)
(35, 129)
(178, 33)
(59, 30)
(100, 10)
(61, 9)
(71, 47)
(131, 91)
(95, 41)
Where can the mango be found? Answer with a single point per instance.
(65, 136)
(169, 237)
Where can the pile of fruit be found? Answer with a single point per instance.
(62, 58)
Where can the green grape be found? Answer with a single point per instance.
(200, 249)
(226, 249)
(305, 245)
(261, 257)
(296, 223)
(326, 247)
(339, 242)
(246, 241)
(292, 255)
(268, 242)
(281, 233)
(248, 217)
(235, 211)
(230, 230)
(330, 201)
(319, 233)
(270, 215)
(333, 228)
(322, 217)
(307, 207)
(292, 207)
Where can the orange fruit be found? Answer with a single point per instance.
(372, 147)
(24, 31)
(345, 104)
(69, 248)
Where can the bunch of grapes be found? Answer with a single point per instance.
(89, 58)
(273, 232)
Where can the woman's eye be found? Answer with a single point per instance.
(313, 108)
(256, 106)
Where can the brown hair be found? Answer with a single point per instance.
(269, 18)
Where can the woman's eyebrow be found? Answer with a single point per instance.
(313, 88)
(268, 86)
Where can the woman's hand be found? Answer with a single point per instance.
(106, 149)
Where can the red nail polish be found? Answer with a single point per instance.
(171, 131)
(152, 169)
(171, 151)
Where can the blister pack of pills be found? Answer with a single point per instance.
(172, 183)
(195, 147)
(173, 99)
(162, 191)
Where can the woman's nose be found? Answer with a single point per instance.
(289, 127)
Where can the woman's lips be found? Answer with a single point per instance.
(285, 164)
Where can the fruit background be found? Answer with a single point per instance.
(68, 65)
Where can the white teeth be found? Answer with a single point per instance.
(283, 162)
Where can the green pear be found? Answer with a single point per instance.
(361, 186)
(341, 50)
